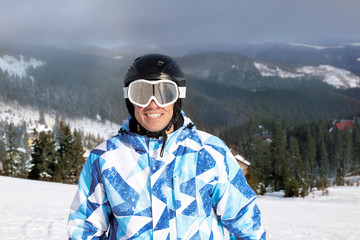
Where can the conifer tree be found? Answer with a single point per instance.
(257, 153)
(334, 150)
(43, 157)
(65, 158)
(347, 149)
(278, 158)
(10, 163)
(322, 159)
(309, 159)
(2, 155)
(356, 150)
(294, 176)
(340, 177)
(78, 156)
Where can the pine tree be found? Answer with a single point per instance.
(294, 179)
(340, 177)
(256, 151)
(278, 158)
(78, 157)
(43, 157)
(309, 158)
(347, 150)
(10, 163)
(356, 150)
(334, 150)
(65, 158)
(2, 155)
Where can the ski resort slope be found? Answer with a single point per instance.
(39, 210)
(332, 217)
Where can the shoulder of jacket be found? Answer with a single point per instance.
(106, 146)
(209, 139)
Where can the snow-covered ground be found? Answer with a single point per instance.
(18, 66)
(332, 217)
(15, 113)
(34, 209)
(337, 77)
(39, 210)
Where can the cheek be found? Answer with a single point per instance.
(137, 112)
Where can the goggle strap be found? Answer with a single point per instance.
(125, 92)
(182, 92)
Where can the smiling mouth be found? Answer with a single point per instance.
(153, 115)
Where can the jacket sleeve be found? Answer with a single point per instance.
(234, 201)
(89, 211)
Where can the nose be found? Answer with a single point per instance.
(152, 105)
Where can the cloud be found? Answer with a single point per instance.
(163, 22)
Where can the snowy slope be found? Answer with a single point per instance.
(18, 66)
(39, 210)
(13, 112)
(332, 217)
(337, 77)
(314, 46)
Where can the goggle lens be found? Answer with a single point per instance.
(163, 92)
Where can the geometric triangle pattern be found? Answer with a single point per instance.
(128, 191)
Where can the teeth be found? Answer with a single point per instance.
(154, 115)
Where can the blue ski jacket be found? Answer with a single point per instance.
(197, 190)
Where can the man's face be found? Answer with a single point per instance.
(154, 118)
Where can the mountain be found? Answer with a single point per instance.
(224, 88)
(239, 70)
(345, 56)
(71, 83)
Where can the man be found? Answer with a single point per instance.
(160, 177)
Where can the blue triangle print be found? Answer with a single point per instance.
(155, 165)
(205, 162)
(189, 187)
(196, 236)
(157, 189)
(191, 210)
(145, 213)
(97, 152)
(163, 221)
(110, 145)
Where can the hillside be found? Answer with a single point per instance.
(227, 106)
(224, 89)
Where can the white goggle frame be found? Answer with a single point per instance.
(180, 93)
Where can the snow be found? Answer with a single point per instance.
(314, 46)
(335, 216)
(34, 209)
(266, 71)
(15, 113)
(337, 77)
(353, 44)
(242, 159)
(39, 210)
(118, 57)
(18, 67)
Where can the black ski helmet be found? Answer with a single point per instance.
(154, 67)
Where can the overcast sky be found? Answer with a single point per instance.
(177, 22)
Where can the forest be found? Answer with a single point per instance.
(56, 155)
(297, 158)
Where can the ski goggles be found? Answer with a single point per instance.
(164, 92)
